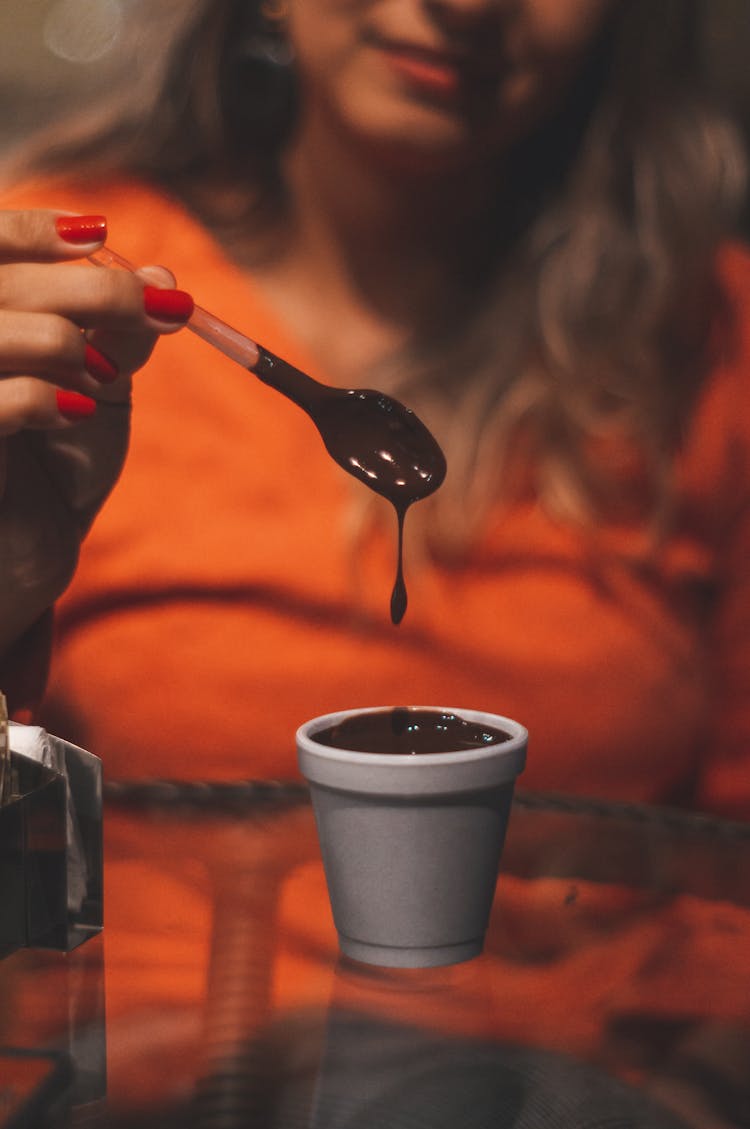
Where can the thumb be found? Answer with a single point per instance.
(157, 276)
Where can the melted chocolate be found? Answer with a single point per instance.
(408, 732)
(371, 436)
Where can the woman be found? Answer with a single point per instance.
(511, 216)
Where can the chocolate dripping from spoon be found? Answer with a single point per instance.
(369, 434)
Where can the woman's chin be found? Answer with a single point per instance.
(422, 140)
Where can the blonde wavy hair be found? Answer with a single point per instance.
(595, 323)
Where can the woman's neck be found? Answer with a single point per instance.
(388, 253)
(383, 254)
(363, 217)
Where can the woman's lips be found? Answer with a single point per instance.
(430, 72)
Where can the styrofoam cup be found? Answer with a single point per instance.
(411, 845)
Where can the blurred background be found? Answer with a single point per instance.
(59, 56)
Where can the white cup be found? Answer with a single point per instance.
(411, 845)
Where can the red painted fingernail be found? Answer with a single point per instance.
(167, 305)
(99, 366)
(81, 229)
(73, 405)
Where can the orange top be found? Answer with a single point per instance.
(216, 605)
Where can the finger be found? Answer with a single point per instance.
(44, 235)
(167, 308)
(130, 351)
(52, 348)
(29, 403)
(94, 297)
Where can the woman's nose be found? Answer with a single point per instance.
(464, 13)
(470, 7)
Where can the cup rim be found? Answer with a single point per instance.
(462, 770)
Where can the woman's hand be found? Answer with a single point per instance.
(71, 336)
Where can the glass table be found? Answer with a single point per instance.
(613, 991)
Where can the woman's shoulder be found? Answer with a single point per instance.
(144, 222)
(57, 191)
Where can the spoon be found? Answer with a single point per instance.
(369, 434)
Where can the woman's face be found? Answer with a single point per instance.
(439, 81)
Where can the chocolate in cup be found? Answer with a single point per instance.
(411, 842)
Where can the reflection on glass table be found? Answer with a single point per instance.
(614, 988)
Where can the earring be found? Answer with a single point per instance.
(275, 11)
(269, 42)
(260, 83)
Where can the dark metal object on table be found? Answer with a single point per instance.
(51, 865)
(32, 859)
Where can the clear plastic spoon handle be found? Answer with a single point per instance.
(233, 344)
